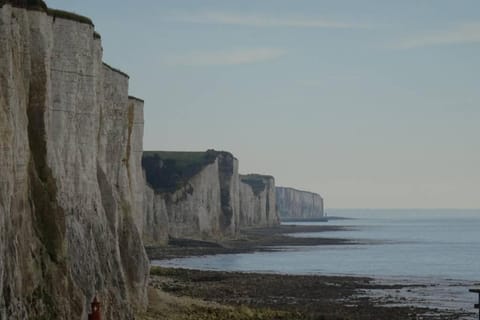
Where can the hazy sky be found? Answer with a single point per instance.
(373, 104)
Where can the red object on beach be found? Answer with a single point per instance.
(95, 315)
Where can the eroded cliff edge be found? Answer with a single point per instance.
(292, 203)
(70, 215)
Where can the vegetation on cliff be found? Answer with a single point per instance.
(255, 181)
(30, 4)
(167, 171)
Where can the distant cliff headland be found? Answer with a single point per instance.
(298, 204)
(78, 196)
(201, 195)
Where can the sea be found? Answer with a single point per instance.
(435, 252)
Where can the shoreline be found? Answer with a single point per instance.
(353, 296)
(225, 295)
(249, 240)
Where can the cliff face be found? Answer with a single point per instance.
(70, 182)
(257, 201)
(293, 203)
(192, 195)
(135, 150)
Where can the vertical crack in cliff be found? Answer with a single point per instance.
(225, 166)
(51, 264)
(130, 119)
(267, 205)
(108, 200)
(48, 216)
(132, 258)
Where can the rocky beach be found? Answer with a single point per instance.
(249, 295)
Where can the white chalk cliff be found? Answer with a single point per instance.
(292, 203)
(71, 186)
(200, 195)
(79, 197)
(203, 205)
(257, 201)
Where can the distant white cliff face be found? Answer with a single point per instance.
(257, 201)
(71, 184)
(292, 203)
(201, 195)
(206, 206)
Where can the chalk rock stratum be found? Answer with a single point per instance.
(292, 203)
(257, 201)
(70, 181)
(190, 195)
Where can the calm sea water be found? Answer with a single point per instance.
(443, 244)
(439, 248)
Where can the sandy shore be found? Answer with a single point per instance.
(194, 294)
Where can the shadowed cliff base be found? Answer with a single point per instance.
(191, 294)
(249, 240)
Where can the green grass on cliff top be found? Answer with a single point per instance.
(30, 4)
(183, 159)
(255, 181)
(167, 171)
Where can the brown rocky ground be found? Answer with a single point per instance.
(191, 294)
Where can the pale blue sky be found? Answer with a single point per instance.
(373, 104)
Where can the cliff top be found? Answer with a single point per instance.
(135, 98)
(40, 5)
(28, 4)
(70, 16)
(116, 70)
(166, 171)
(256, 176)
